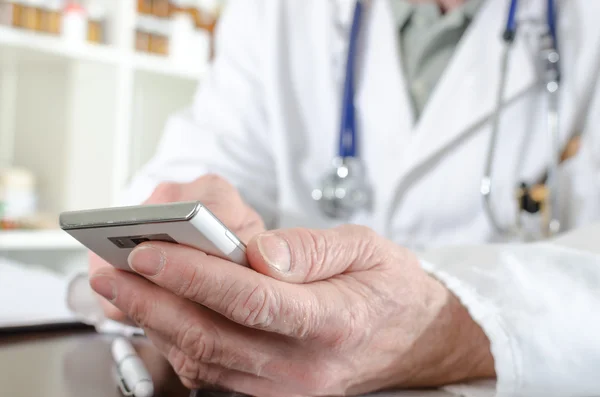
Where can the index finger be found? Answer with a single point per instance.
(96, 264)
(238, 293)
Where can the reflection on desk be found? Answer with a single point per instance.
(79, 363)
(73, 365)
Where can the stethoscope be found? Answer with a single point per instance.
(344, 190)
(540, 197)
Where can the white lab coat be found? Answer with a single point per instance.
(267, 116)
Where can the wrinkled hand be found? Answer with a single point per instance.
(217, 195)
(323, 313)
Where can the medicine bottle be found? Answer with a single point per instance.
(51, 17)
(30, 14)
(96, 12)
(160, 37)
(144, 7)
(207, 12)
(74, 22)
(207, 16)
(182, 49)
(18, 197)
(161, 8)
(8, 12)
(142, 36)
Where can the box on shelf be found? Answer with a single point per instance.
(83, 20)
(18, 199)
(181, 30)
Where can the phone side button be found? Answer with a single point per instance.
(232, 238)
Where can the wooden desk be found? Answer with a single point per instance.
(73, 364)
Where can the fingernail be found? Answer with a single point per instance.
(105, 286)
(276, 252)
(146, 260)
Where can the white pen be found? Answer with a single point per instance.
(133, 377)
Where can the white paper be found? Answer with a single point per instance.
(31, 296)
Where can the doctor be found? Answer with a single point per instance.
(400, 286)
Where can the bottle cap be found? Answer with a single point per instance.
(96, 10)
(17, 178)
(74, 6)
(210, 7)
(55, 5)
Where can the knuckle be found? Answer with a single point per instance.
(112, 313)
(306, 324)
(254, 308)
(316, 246)
(197, 345)
(320, 379)
(140, 311)
(191, 283)
(353, 328)
(366, 242)
(180, 363)
(192, 372)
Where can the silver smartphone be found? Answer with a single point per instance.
(112, 233)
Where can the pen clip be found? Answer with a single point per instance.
(121, 382)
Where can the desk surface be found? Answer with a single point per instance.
(72, 364)
(79, 363)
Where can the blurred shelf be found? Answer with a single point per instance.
(35, 47)
(157, 64)
(28, 240)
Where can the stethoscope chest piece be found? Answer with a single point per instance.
(344, 190)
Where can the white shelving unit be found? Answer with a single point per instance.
(42, 240)
(83, 118)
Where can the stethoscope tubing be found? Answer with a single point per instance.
(552, 89)
(348, 135)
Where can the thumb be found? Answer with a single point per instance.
(305, 255)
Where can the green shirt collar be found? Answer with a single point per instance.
(404, 9)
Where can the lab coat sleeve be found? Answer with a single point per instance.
(225, 130)
(539, 304)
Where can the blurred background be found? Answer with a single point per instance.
(85, 90)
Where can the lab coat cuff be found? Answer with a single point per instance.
(486, 315)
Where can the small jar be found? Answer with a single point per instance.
(161, 8)
(142, 40)
(74, 23)
(207, 17)
(18, 199)
(96, 22)
(207, 13)
(51, 17)
(144, 7)
(142, 34)
(182, 34)
(30, 15)
(9, 13)
(160, 39)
